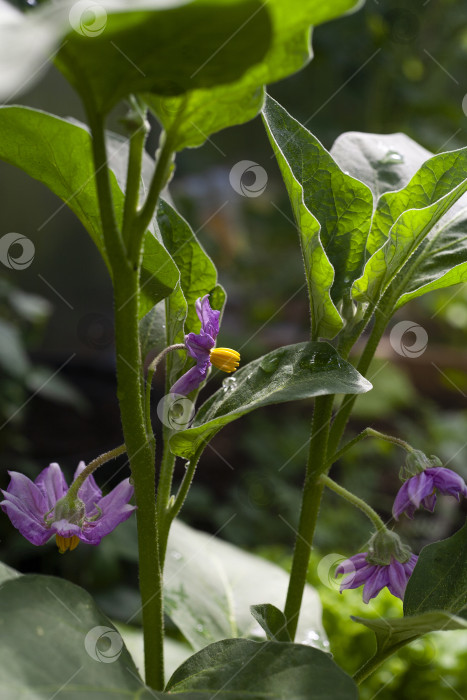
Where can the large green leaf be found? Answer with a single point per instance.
(384, 162)
(436, 178)
(393, 633)
(118, 47)
(165, 48)
(58, 153)
(210, 586)
(289, 373)
(388, 162)
(56, 641)
(406, 234)
(442, 257)
(239, 669)
(193, 117)
(439, 581)
(333, 213)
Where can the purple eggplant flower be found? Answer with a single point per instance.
(39, 510)
(359, 570)
(200, 346)
(420, 490)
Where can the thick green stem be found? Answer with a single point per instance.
(311, 499)
(354, 500)
(129, 370)
(129, 390)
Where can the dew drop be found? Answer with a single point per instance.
(269, 364)
(392, 157)
(229, 384)
(307, 362)
(199, 628)
(175, 555)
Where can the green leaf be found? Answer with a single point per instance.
(238, 668)
(439, 581)
(435, 179)
(409, 230)
(387, 162)
(170, 321)
(442, 257)
(58, 153)
(146, 47)
(272, 620)
(333, 214)
(289, 373)
(53, 642)
(200, 113)
(210, 586)
(393, 633)
(384, 162)
(7, 573)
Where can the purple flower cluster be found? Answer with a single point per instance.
(358, 571)
(377, 569)
(38, 509)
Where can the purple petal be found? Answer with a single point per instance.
(409, 566)
(30, 525)
(31, 496)
(448, 482)
(397, 579)
(115, 509)
(401, 501)
(52, 484)
(352, 564)
(429, 502)
(190, 380)
(418, 487)
(199, 346)
(65, 529)
(358, 578)
(89, 492)
(209, 318)
(377, 581)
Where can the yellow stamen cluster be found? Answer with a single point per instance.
(225, 359)
(64, 543)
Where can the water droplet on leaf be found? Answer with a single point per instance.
(392, 157)
(175, 555)
(269, 364)
(229, 384)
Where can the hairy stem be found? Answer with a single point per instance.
(92, 466)
(129, 389)
(311, 499)
(354, 500)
